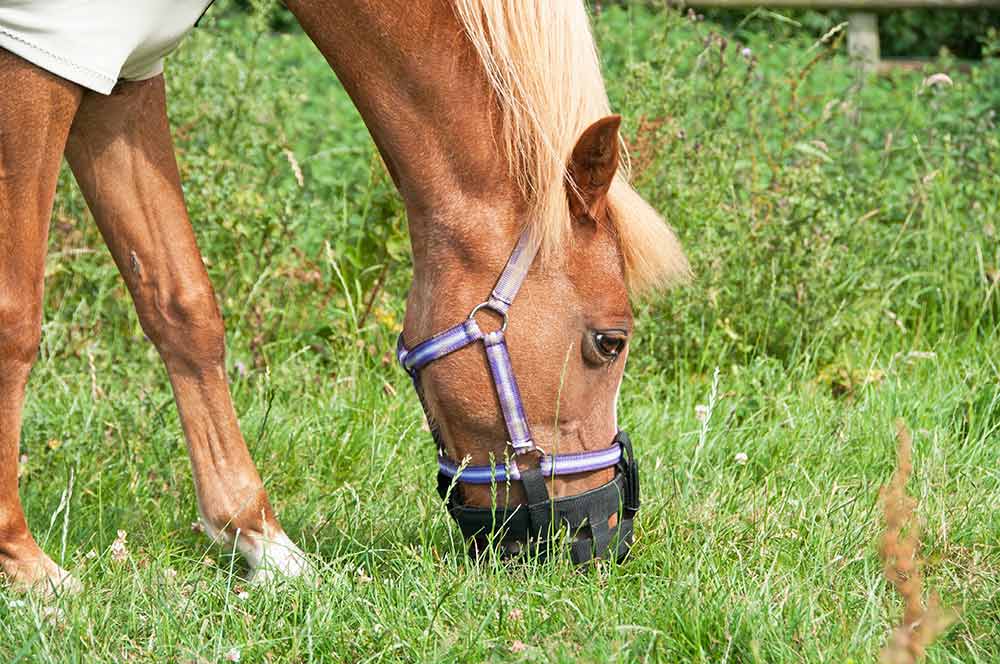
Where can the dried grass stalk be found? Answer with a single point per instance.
(901, 564)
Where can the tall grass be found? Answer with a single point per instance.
(920, 623)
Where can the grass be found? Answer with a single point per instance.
(843, 231)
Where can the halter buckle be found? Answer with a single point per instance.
(489, 305)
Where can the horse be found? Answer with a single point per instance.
(528, 242)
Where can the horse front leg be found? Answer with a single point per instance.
(122, 155)
(36, 109)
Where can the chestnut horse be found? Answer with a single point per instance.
(492, 119)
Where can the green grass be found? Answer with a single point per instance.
(844, 278)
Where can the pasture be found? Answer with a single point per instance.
(844, 236)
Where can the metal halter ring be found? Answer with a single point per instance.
(488, 305)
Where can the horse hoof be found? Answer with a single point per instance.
(41, 577)
(277, 558)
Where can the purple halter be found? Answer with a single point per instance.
(531, 523)
(467, 333)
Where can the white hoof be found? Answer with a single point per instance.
(63, 583)
(274, 558)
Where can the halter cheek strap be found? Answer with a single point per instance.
(468, 332)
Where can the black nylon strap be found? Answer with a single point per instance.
(581, 550)
(539, 504)
(534, 486)
(600, 534)
(630, 468)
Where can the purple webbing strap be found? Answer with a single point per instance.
(514, 273)
(508, 284)
(441, 344)
(564, 464)
(508, 393)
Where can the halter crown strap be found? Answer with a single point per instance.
(468, 332)
(513, 275)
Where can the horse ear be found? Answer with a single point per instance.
(592, 166)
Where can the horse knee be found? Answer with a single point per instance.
(20, 334)
(185, 325)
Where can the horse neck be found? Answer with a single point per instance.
(422, 91)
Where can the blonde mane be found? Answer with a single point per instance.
(542, 62)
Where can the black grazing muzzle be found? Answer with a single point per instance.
(529, 529)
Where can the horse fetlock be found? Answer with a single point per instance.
(248, 511)
(244, 520)
(269, 552)
(26, 568)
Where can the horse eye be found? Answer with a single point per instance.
(609, 344)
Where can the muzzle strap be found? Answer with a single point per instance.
(539, 503)
(550, 465)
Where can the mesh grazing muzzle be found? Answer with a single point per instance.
(583, 518)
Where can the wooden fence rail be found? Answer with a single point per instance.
(862, 30)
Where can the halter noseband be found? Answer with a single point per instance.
(534, 522)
